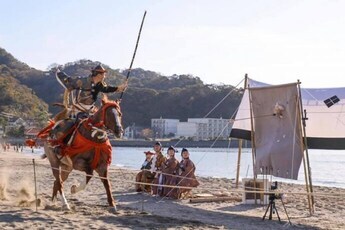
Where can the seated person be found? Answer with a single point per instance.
(145, 176)
(186, 172)
(158, 161)
(170, 167)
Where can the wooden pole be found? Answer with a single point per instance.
(238, 161)
(135, 50)
(214, 199)
(252, 141)
(240, 141)
(33, 161)
(307, 170)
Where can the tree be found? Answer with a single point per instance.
(3, 122)
(16, 132)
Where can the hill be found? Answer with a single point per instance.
(150, 94)
(17, 98)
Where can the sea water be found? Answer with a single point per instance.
(327, 166)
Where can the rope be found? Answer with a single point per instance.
(180, 139)
(217, 136)
(107, 178)
(223, 99)
(258, 191)
(168, 174)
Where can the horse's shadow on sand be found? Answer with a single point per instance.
(15, 217)
(158, 213)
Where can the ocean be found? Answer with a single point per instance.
(327, 166)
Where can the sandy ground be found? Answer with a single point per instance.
(141, 211)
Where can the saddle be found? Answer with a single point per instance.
(61, 133)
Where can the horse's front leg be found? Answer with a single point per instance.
(58, 187)
(107, 186)
(82, 185)
(65, 171)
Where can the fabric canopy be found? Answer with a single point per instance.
(277, 130)
(325, 110)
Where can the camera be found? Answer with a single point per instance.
(272, 205)
(274, 186)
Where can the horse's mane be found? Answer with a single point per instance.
(106, 100)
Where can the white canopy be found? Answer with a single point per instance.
(325, 124)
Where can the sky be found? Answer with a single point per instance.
(219, 41)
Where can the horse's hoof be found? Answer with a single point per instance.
(66, 207)
(113, 210)
(74, 189)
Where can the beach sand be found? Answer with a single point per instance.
(141, 211)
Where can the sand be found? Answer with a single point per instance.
(141, 211)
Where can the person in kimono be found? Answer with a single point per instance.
(186, 172)
(158, 161)
(145, 175)
(169, 172)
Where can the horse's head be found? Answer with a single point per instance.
(110, 116)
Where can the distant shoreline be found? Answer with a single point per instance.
(145, 143)
(184, 143)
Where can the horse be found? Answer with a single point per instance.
(88, 149)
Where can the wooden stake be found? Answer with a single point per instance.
(307, 171)
(252, 140)
(214, 199)
(33, 161)
(238, 161)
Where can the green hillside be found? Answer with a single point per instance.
(150, 94)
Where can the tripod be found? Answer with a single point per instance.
(272, 207)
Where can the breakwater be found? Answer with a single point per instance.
(233, 143)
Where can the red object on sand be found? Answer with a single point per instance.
(30, 142)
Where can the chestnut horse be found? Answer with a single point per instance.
(87, 150)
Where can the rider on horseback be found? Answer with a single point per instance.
(84, 92)
(87, 89)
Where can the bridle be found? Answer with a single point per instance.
(101, 123)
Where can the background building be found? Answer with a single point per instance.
(133, 132)
(204, 128)
(195, 128)
(192, 130)
(164, 127)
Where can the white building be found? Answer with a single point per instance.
(164, 127)
(132, 132)
(204, 128)
(196, 131)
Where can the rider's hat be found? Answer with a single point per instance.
(98, 69)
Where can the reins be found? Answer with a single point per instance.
(101, 123)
